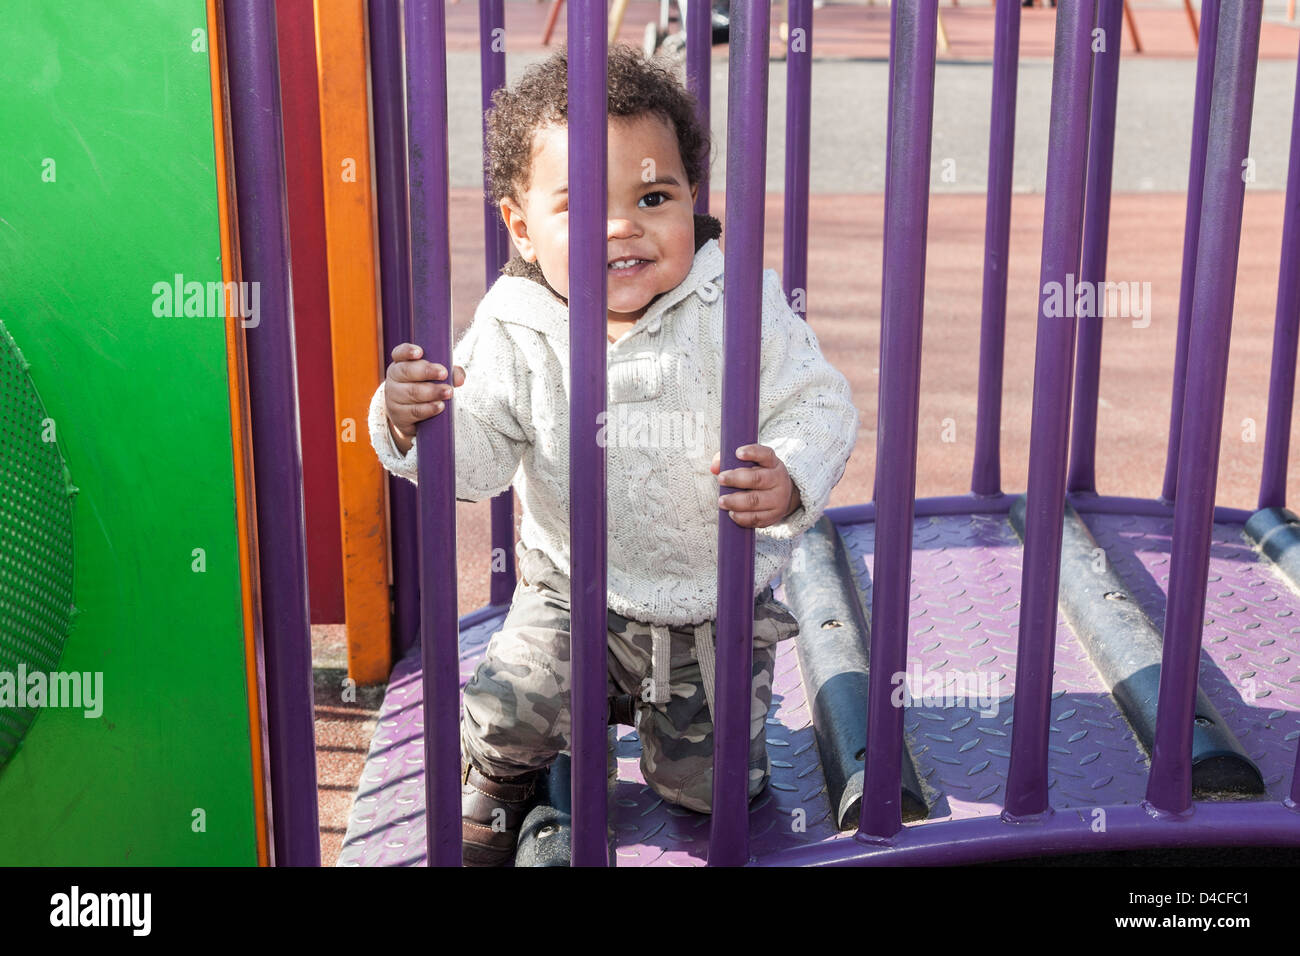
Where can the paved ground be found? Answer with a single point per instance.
(845, 255)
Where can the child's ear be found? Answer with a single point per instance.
(513, 217)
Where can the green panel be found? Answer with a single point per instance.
(108, 187)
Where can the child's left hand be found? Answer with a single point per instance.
(772, 495)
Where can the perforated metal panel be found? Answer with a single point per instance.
(36, 606)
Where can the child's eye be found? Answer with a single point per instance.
(664, 197)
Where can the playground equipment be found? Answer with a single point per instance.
(1134, 751)
(1096, 733)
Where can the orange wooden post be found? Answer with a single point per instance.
(1191, 18)
(357, 350)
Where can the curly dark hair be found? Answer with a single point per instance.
(540, 98)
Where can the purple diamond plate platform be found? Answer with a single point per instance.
(964, 617)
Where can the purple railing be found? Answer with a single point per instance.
(496, 242)
(1096, 233)
(1205, 56)
(1286, 328)
(742, 320)
(395, 290)
(907, 202)
(427, 169)
(257, 141)
(588, 341)
(1074, 243)
(1048, 431)
(986, 470)
(1169, 787)
(798, 152)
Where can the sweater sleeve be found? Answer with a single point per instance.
(806, 410)
(491, 438)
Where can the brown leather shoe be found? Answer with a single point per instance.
(491, 811)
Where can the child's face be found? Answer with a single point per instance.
(651, 214)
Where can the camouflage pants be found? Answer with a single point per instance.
(516, 715)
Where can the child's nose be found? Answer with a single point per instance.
(621, 227)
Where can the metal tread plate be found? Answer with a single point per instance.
(1250, 648)
(964, 612)
(966, 573)
(386, 825)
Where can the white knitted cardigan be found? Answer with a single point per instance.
(511, 420)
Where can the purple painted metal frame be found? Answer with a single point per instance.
(496, 250)
(1286, 330)
(258, 147)
(1170, 783)
(747, 77)
(986, 470)
(798, 153)
(1028, 825)
(913, 35)
(1191, 232)
(1049, 426)
(430, 245)
(699, 79)
(1082, 475)
(385, 22)
(588, 343)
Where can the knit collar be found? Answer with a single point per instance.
(522, 295)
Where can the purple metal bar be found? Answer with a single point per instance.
(699, 80)
(986, 471)
(798, 113)
(1128, 827)
(258, 144)
(972, 504)
(1049, 428)
(1169, 787)
(907, 209)
(1082, 474)
(889, 151)
(588, 343)
(496, 250)
(427, 165)
(747, 77)
(1286, 328)
(1191, 230)
(395, 289)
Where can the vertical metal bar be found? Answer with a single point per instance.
(1191, 231)
(699, 80)
(1049, 429)
(798, 122)
(496, 250)
(395, 290)
(986, 471)
(427, 166)
(889, 151)
(258, 146)
(1169, 786)
(588, 241)
(907, 210)
(747, 77)
(1082, 474)
(1286, 328)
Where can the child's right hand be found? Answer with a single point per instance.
(410, 392)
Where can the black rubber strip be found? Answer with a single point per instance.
(834, 635)
(546, 835)
(1126, 649)
(1276, 532)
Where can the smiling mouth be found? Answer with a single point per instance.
(628, 265)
